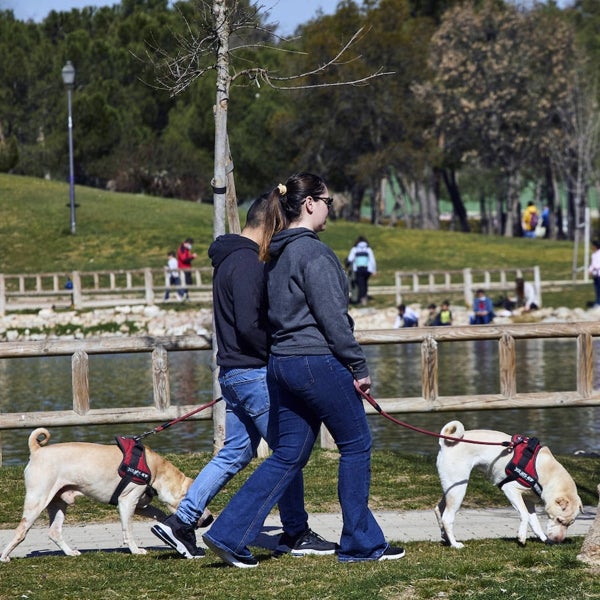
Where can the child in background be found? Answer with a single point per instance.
(407, 317)
(432, 317)
(172, 275)
(445, 315)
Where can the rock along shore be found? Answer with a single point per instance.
(122, 321)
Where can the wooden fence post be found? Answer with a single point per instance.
(468, 287)
(81, 384)
(160, 378)
(537, 282)
(508, 365)
(2, 295)
(149, 287)
(77, 296)
(585, 365)
(429, 362)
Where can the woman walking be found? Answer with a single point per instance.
(314, 364)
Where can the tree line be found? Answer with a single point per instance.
(450, 100)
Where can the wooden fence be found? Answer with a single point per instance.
(430, 399)
(93, 289)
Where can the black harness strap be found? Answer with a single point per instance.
(522, 466)
(133, 468)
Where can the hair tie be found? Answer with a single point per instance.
(282, 189)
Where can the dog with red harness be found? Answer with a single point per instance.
(127, 475)
(526, 471)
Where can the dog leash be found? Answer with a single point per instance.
(182, 418)
(378, 408)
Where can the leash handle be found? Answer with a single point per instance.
(378, 408)
(182, 418)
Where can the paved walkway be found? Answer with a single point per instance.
(409, 526)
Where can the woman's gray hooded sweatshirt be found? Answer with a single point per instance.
(308, 301)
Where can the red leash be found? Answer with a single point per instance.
(182, 418)
(378, 408)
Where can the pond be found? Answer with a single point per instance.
(38, 384)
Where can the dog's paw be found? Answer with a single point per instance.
(5, 559)
(139, 551)
(549, 542)
(458, 545)
(72, 552)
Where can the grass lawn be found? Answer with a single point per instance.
(490, 569)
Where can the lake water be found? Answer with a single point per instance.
(37, 384)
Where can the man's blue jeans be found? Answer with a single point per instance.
(309, 390)
(247, 420)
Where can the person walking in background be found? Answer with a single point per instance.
(406, 317)
(362, 260)
(172, 275)
(314, 365)
(241, 329)
(483, 309)
(185, 256)
(530, 220)
(594, 270)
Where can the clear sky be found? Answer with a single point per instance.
(288, 13)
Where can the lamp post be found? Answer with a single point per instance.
(68, 76)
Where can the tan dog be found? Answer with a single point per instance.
(57, 474)
(456, 460)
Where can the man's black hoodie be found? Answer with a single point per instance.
(239, 299)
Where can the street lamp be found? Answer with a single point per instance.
(68, 76)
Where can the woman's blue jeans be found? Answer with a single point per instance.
(309, 390)
(247, 420)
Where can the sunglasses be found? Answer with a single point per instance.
(328, 200)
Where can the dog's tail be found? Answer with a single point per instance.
(34, 442)
(453, 429)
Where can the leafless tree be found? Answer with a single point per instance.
(223, 29)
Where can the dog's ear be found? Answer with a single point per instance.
(562, 502)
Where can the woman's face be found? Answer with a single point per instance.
(321, 210)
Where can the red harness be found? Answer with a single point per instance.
(133, 468)
(522, 466)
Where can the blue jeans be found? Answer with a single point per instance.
(247, 420)
(309, 390)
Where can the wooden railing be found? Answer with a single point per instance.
(430, 399)
(93, 289)
(465, 282)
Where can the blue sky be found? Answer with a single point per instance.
(288, 13)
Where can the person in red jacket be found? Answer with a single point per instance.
(185, 256)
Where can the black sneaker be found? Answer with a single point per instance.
(392, 553)
(307, 542)
(235, 560)
(179, 535)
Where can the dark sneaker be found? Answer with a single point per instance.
(392, 553)
(179, 535)
(240, 561)
(307, 542)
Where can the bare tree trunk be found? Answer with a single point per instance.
(512, 206)
(219, 182)
(458, 206)
(590, 549)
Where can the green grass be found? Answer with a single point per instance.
(120, 231)
(490, 569)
